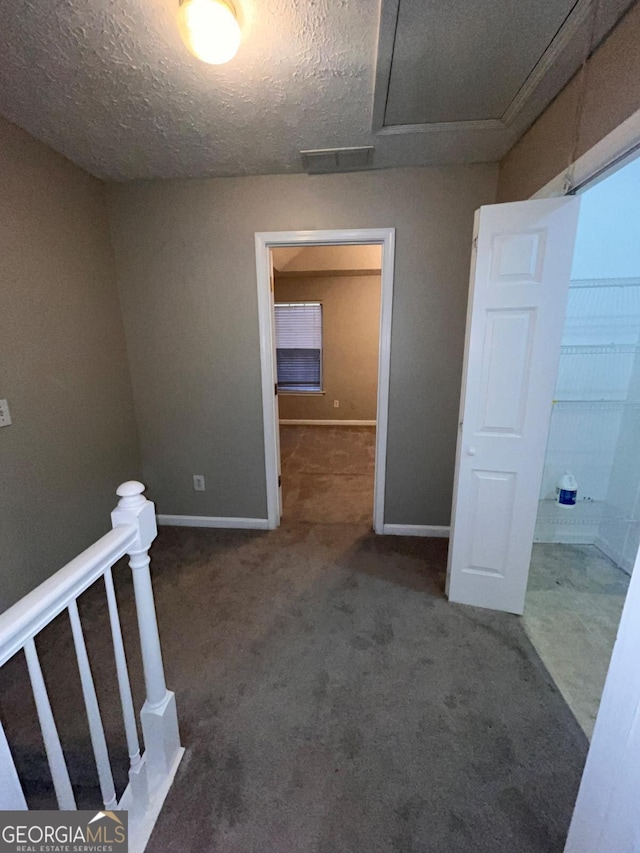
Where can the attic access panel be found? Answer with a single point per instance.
(465, 60)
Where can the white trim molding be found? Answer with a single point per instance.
(298, 422)
(265, 241)
(435, 531)
(213, 521)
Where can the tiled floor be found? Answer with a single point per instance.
(328, 473)
(572, 611)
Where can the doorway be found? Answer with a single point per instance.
(327, 329)
(587, 536)
(298, 275)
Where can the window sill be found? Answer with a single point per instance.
(285, 392)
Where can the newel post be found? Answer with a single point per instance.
(158, 716)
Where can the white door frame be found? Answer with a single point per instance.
(267, 240)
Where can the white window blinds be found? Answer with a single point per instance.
(299, 345)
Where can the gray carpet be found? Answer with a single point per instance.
(332, 701)
(328, 473)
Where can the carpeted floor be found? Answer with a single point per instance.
(331, 701)
(327, 473)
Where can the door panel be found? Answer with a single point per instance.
(507, 361)
(521, 265)
(489, 521)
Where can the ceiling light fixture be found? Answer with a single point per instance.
(209, 29)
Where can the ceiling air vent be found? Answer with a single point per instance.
(326, 160)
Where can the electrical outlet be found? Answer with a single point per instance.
(198, 482)
(336, 404)
(5, 417)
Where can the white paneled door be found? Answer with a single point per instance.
(520, 271)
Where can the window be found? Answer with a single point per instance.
(299, 346)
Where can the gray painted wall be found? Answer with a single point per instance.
(63, 365)
(186, 271)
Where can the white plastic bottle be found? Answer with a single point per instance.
(567, 491)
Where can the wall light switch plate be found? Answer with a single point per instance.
(5, 417)
(198, 482)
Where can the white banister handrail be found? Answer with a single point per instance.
(150, 773)
(33, 612)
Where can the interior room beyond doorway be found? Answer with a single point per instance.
(327, 331)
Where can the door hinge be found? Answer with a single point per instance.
(275, 389)
(475, 242)
(279, 480)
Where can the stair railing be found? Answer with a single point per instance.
(151, 770)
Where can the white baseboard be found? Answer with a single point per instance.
(433, 530)
(326, 423)
(213, 521)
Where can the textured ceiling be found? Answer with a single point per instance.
(109, 84)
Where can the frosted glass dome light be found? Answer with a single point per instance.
(209, 29)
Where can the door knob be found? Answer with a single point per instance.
(471, 451)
